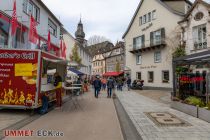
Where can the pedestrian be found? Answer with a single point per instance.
(104, 81)
(97, 86)
(129, 83)
(110, 86)
(85, 85)
(58, 86)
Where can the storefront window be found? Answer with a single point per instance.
(138, 75)
(165, 76)
(150, 76)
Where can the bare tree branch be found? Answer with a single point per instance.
(96, 39)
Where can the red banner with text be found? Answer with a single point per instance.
(18, 77)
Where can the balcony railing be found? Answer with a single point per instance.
(151, 46)
(198, 45)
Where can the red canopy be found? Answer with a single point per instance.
(112, 73)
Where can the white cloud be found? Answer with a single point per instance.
(108, 18)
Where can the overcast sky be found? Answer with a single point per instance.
(108, 18)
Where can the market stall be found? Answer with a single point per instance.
(25, 77)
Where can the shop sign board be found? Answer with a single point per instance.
(18, 77)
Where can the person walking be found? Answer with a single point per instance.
(58, 86)
(97, 86)
(129, 83)
(104, 83)
(110, 86)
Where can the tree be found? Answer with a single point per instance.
(117, 67)
(75, 56)
(96, 39)
(179, 51)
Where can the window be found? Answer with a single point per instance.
(140, 21)
(199, 37)
(157, 37)
(157, 57)
(138, 42)
(31, 9)
(153, 14)
(4, 31)
(144, 19)
(138, 75)
(165, 76)
(149, 17)
(150, 76)
(138, 59)
(52, 27)
(36, 13)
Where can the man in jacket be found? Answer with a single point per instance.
(129, 83)
(110, 86)
(97, 86)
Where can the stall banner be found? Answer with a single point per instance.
(18, 76)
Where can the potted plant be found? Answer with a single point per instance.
(188, 106)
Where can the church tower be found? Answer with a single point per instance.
(79, 34)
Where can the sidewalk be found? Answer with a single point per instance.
(137, 105)
(95, 120)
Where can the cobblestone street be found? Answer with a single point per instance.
(137, 105)
(11, 117)
(92, 119)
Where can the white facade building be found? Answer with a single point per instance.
(70, 41)
(196, 30)
(150, 39)
(46, 21)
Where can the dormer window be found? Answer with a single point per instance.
(198, 16)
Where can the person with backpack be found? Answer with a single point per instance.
(110, 86)
(97, 86)
(129, 83)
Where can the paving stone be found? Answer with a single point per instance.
(136, 105)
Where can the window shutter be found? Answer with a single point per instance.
(143, 40)
(151, 39)
(134, 43)
(163, 35)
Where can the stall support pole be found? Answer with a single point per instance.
(174, 78)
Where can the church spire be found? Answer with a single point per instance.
(79, 34)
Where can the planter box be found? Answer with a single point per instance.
(188, 109)
(204, 114)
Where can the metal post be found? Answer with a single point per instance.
(174, 77)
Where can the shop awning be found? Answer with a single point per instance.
(112, 73)
(60, 61)
(76, 71)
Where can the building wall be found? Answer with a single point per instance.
(188, 34)
(148, 64)
(111, 63)
(42, 27)
(98, 65)
(116, 55)
(177, 5)
(86, 60)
